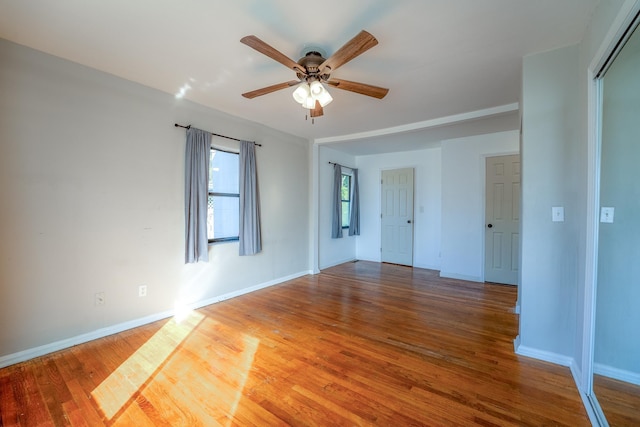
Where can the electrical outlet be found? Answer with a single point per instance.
(142, 290)
(99, 298)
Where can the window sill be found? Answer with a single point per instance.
(225, 240)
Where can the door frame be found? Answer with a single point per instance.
(483, 224)
(484, 217)
(413, 225)
(617, 30)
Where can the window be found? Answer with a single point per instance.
(346, 199)
(223, 207)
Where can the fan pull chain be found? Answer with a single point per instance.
(313, 120)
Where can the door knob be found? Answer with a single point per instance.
(490, 225)
(408, 221)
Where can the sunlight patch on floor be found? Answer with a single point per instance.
(244, 366)
(115, 391)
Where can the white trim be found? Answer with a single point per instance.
(224, 297)
(586, 401)
(442, 121)
(591, 243)
(414, 170)
(547, 356)
(449, 275)
(624, 18)
(314, 203)
(42, 350)
(483, 181)
(333, 264)
(427, 266)
(616, 374)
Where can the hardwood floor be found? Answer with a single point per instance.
(359, 344)
(620, 401)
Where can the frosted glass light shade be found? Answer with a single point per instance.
(309, 103)
(307, 94)
(301, 93)
(324, 98)
(316, 88)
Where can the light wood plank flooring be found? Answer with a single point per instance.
(359, 344)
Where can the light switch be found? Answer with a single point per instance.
(606, 214)
(557, 214)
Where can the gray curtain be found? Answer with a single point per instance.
(336, 222)
(196, 193)
(250, 235)
(354, 219)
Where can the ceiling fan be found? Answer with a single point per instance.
(313, 72)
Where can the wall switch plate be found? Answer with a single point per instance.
(557, 214)
(142, 290)
(606, 214)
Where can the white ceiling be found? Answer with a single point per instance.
(444, 61)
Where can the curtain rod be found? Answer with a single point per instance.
(221, 136)
(348, 167)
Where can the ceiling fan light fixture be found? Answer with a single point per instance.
(324, 98)
(309, 103)
(316, 88)
(313, 72)
(301, 93)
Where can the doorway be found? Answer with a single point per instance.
(396, 216)
(502, 218)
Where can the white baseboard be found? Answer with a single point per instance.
(547, 356)
(449, 275)
(333, 264)
(577, 374)
(427, 266)
(42, 350)
(516, 309)
(616, 374)
(562, 360)
(586, 401)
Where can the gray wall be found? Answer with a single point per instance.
(91, 183)
(463, 200)
(550, 251)
(591, 49)
(332, 251)
(617, 346)
(427, 204)
(558, 171)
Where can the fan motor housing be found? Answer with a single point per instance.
(311, 61)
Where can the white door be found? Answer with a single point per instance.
(397, 216)
(502, 216)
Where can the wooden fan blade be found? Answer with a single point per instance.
(269, 89)
(361, 88)
(317, 111)
(265, 49)
(354, 47)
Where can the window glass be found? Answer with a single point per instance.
(224, 172)
(223, 207)
(223, 219)
(346, 199)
